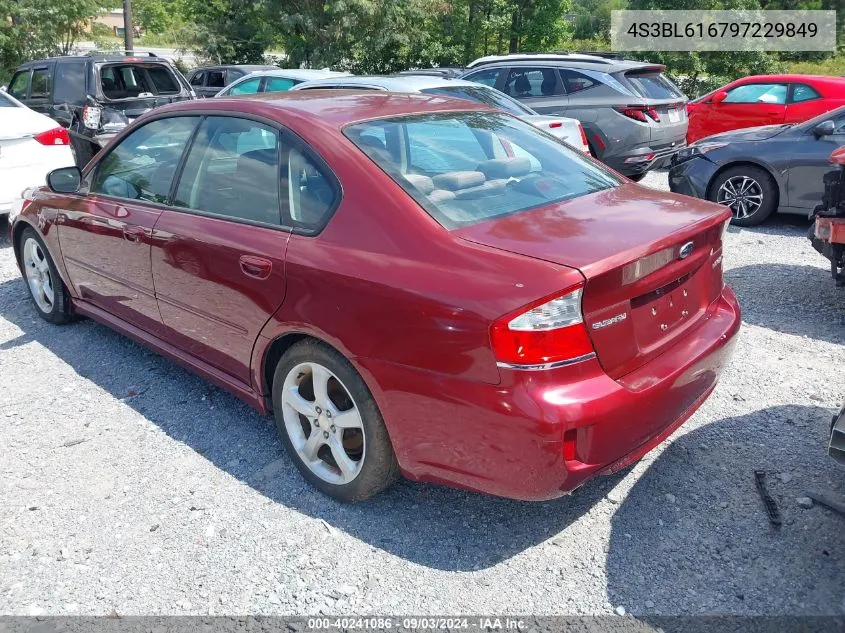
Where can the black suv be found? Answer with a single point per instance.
(96, 96)
(207, 81)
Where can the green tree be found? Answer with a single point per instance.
(228, 31)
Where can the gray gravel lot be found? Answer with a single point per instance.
(128, 484)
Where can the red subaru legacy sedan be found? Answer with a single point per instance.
(411, 284)
(763, 100)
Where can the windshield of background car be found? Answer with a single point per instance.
(129, 81)
(652, 85)
(487, 96)
(468, 167)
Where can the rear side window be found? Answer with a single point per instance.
(487, 77)
(196, 80)
(312, 190)
(40, 85)
(803, 92)
(246, 88)
(757, 93)
(69, 83)
(142, 165)
(573, 81)
(464, 168)
(531, 82)
(232, 171)
(19, 85)
(653, 85)
(279, 84)
(216, 79)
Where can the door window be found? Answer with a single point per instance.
(196, 80)
(487, 77)
(233, 171)
(70, 83)
(141, 166)
(279, 84)
(531, 82)
(246, 88)
(19, 85)
(40, 87)
(758, 93)
(215, 79)
(313, 192)
(803, 92)
(573, 81)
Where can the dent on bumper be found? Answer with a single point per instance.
(509, 439)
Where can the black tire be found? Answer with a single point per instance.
(764, 181)
(83, 150)
(379, 468)
(62, 308)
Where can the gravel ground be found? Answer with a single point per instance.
(130, 485)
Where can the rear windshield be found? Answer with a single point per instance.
(654, 86)
(467, 167)
(129, 81)
(487, 96)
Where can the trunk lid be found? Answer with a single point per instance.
(642, 292)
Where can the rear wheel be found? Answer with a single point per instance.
(330, 424)
(46, 288)
(748, 191)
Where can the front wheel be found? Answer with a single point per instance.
(748, 191)
(45, 287)
(330, 423)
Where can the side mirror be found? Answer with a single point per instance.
(825, 128)
(717, 98)
(64, 180)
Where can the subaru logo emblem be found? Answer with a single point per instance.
(686, 250)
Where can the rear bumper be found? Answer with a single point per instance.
(16, 179)
(510, 439)
(644, 158)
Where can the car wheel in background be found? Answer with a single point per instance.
(749, 191)
(83, 151)
(45, 286)
(330, 423)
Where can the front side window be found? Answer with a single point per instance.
(19, 85)
(233, 171)
(531, 82)
(279, 84)
(758, 93)
(40, 88)
(247, 87)
(470, 167)
(141, 167)
(803, 92)
(487, 77)
(196, 79)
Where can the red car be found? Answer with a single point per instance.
(411, 283)
(763, 100)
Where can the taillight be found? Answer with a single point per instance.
(583, 137)
(545, 332)
(639, 113)
(56, 136)
(91, 116)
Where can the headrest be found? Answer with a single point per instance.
(505, 167)
(456, 180)
(423, 183)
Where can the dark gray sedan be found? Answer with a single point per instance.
(756, 171)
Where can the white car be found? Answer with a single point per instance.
(567, 130)
(31, 146)
(276, 80)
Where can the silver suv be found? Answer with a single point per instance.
(634, 116)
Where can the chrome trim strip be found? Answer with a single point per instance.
(560, 363)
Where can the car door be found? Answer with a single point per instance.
(809, 162)
(196, 82)
(40, 89)
(218, 256)
(105, 236)
(538, 88)
(749, 105)
(215, 81)
(804, 102)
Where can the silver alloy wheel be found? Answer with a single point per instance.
(742, 194)
(323, 423)
(38, 275)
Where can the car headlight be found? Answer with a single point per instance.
(693, 151)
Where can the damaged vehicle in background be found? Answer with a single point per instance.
(96, 96)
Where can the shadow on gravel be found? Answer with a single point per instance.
(5, 241)
(794, 299)
(429, 525)
(712, 548)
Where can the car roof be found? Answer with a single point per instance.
(810, 79)
(395, 83)
(567, 60)
(303, 74)
(247, 67)
(97, 59)
(333, 108)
